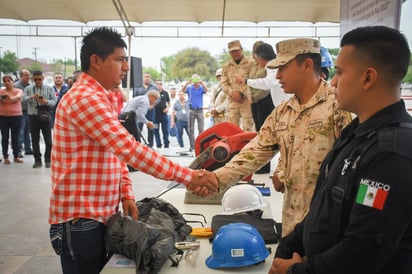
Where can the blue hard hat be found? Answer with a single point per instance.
(326, 58)
(237, 245)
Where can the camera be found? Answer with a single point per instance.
(3, 96)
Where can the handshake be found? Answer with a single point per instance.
(203, 183)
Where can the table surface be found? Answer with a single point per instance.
(176, 197)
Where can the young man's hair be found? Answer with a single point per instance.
(101, 41)
(37, 73)
(384, 48)
(315, 57)
(265, 52)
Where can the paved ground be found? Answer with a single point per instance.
(24, 202)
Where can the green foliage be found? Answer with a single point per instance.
(9, 62)
(35, 66)
(223, 57)
(153, 72)
(408, 77)
(167, 63)
(190, 61)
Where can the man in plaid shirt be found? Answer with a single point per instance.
(90, 154)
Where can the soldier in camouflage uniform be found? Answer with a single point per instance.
(238, 107)
(303, 129)
(218, 102)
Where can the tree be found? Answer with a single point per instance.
(167, 63)
(153, 72)
(35, 66)
(190, 61)
(9, 62)
(408, 76)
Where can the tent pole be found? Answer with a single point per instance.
(223, 16)
(129, 32)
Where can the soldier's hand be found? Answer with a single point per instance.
(237, 97)
(279, 186)
(239, 80)
(203, 183)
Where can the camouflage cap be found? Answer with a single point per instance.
(288, 49)
(234, 45)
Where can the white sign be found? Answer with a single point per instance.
(359, 13)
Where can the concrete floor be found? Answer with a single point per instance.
(24, 200)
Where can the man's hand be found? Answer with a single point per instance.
(279, 186)
(150, 125)
(239, 80)
(203, 183)
(280, 266)
(130, 209)
(237, 97)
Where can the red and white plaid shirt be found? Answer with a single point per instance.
(89, 156)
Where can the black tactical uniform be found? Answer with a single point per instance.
(360, 218)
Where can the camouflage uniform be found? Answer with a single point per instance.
(237, 111)
(219, 103)
(303, 134)
(257, 72)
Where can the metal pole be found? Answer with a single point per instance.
(75, 53)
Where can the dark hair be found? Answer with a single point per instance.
(315, 57)
(382, 47)
(37, 73)
(265, 52)
(101, 41)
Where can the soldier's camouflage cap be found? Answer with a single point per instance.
(234, 45)
(288, 49)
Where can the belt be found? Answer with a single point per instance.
(75, 220)
(196, 108)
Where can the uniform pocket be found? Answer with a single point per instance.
(56, 238)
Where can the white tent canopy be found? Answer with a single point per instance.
(173, 10)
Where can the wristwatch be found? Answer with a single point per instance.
(291, 269)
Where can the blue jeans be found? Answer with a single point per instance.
(180, 125)
(24, 134)
(80, 245)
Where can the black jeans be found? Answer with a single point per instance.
(7, 124)
(260, 111)
(128, 120)
(36, 125)
(80, 245)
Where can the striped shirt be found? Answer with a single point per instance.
(89, 156)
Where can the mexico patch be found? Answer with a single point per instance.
(372, 194)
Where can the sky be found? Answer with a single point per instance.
(151, 50)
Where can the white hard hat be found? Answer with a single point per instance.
(219, 72)
(242, 198)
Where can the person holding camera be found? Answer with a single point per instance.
(40, 99)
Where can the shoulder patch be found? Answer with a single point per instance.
(372, 193)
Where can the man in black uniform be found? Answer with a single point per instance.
(360, 218)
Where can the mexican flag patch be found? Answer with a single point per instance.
(372, 194)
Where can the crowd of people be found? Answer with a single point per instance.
(245, 94)
(344, 145)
